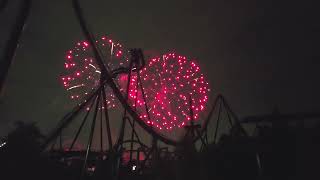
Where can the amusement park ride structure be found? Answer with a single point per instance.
(97, 100)
(196, 133)
(141, 154)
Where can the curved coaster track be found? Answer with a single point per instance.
(139, 155)
(132, 152)
(137, 147)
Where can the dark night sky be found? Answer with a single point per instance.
(258, 54)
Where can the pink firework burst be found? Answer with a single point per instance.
(82, 73)
(168, 83)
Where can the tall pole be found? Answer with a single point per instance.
(191, 111)
(133, 123)
(217, 125)
(106, 113)
(81, 126)
(101, 128)
(91, 135)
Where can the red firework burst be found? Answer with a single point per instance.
(82, 73)
(168, 83)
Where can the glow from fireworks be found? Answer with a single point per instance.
(81, 70)
(168, 83)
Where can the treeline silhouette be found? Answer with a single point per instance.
(279, 152)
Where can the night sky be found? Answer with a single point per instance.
(258, 54)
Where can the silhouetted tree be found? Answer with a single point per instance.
(21, 157)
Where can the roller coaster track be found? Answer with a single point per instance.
(107, 79)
